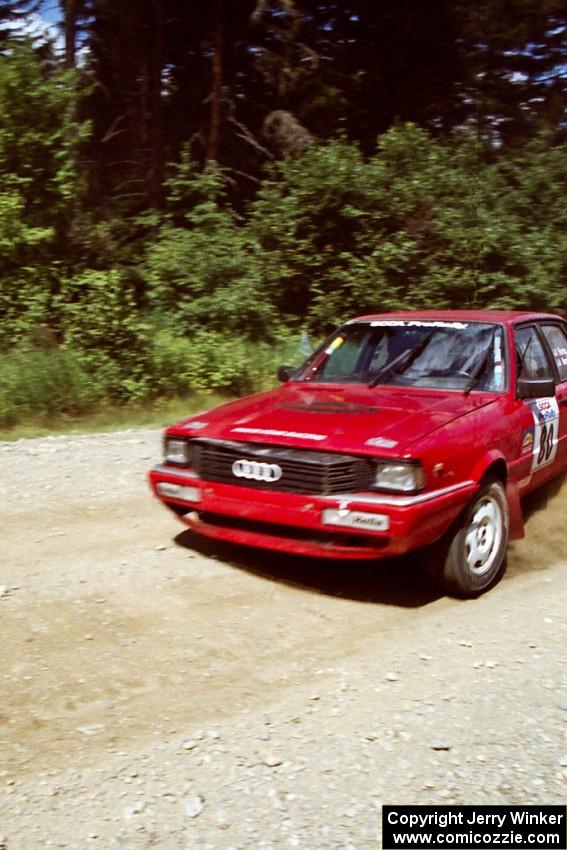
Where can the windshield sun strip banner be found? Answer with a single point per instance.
(417, 323)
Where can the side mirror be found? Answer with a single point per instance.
(536, 388)
(284, 373)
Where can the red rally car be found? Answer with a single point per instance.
(403, 430)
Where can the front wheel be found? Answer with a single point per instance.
(471, 558)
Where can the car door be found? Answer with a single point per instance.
(555, 335)
(540, 416)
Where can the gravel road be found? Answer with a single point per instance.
(163, 692)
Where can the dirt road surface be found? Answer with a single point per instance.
(161, 692)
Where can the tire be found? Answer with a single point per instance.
(471, 558)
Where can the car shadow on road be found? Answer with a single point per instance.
(399, 582)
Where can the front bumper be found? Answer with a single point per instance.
(288, 522)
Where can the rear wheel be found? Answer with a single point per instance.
(471, 558)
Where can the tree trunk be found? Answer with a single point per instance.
(213, 143)
(70, 23)
(156, 106)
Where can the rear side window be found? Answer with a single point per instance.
(531, 358)
(557, 340)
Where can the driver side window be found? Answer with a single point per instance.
(531, 359)
(557, 340)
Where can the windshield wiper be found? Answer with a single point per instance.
(404, 360)
(480, 368)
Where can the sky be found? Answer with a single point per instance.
(49, 11)
(43, 23)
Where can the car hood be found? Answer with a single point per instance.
(361, 420)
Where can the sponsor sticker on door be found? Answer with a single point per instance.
(545, 412)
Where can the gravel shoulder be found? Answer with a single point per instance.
(164, 692)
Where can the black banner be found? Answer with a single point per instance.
(469, 827)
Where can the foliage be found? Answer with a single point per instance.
(190, 189)
(529, 223)
(40, 188)
(39, 136)
(12, 13)
(39, 383)
(24, 290)
(214, 361)
(47, 383)
(102, 325)
(148, 413)
(168, 72)
(203, 267)
(421, 223)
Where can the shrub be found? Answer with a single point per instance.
(213, 361)
(203, 267)
(104, 328)
(43, 384)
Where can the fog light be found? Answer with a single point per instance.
(178, 491)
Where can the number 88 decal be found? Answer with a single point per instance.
(545, 444)
(545, 412)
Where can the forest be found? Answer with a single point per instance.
(187, 189)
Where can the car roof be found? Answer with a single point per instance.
(502, 316)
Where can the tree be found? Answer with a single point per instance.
(515, 57)
(421, 223)
(203, 267)
(247, 80)
(126, 43)
(75, 16)
(13, 17)
(39, 184)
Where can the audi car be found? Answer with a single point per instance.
(402, 431)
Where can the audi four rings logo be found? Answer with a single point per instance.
(256, 471)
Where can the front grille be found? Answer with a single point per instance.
(308, 472)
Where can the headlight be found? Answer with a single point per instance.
(177, 451)
(403, 477)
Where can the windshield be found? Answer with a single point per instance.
(410, 353)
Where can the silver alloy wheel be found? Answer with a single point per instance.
(471, 557)
(484, 535)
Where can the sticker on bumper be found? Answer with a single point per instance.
(356, 519)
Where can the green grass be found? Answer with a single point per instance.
(156, 414)
(59, 390)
